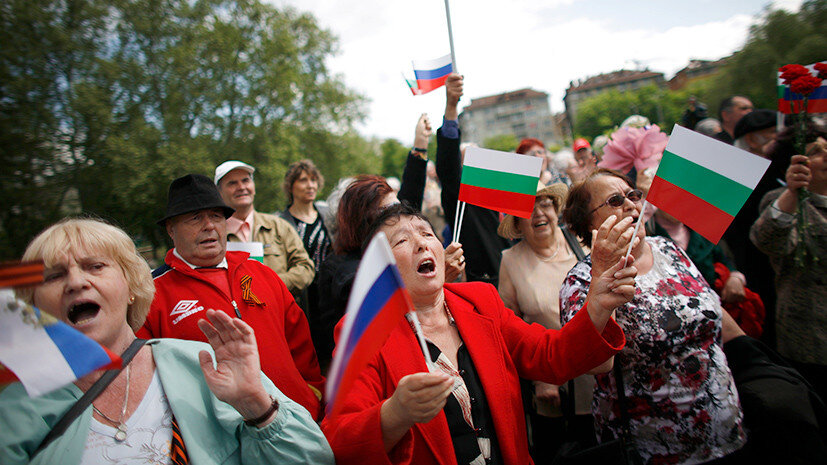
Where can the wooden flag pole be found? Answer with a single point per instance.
(637, 228)
(451, 37)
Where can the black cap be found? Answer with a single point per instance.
(755, 120)
(191, 193)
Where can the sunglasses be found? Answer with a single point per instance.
(617, 200)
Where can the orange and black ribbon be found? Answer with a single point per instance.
(178, 451)
(247, 293)
(21, 274)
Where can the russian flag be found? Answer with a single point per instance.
(43, 353)
(789, 101)
(431, 74)
(378, 300)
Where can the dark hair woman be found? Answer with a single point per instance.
(683, 404)
(469, 409)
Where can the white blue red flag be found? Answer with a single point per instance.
(430, 74)
(43, 353)
(378, 300)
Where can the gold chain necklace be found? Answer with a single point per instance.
(120, 434)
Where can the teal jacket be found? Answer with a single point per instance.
(213, 431)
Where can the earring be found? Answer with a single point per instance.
(131, 300)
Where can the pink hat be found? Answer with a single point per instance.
(638, 147)
(580, 144)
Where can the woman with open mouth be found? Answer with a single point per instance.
(469, 409)
(681, 403)
(174, 401)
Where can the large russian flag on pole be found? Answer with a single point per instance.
(789, 101)
(43, 353)
(501, 181)
(378, 300)
(703, 182)
(431, 74)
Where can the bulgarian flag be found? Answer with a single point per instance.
(816, 102)
(703, 182)
(501, 181)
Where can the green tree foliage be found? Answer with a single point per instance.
(503, 143)
(778, 39)
(394, 155)
(105, 102)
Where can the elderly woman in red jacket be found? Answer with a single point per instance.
(468, 410)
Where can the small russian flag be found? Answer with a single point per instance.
(430, 74)
(789, 101)
(43, 353)
(378, 300)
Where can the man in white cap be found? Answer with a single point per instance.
(281, 246)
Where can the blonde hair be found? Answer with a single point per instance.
(86, 234)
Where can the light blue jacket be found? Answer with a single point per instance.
(213, 431)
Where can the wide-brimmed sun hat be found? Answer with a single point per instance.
(557, 192)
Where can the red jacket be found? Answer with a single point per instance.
(282, 333)
(503, 348)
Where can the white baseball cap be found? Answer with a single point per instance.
(224, 168)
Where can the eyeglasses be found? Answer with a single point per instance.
(617, 200)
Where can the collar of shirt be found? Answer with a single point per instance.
(221, 264)
(241, 228)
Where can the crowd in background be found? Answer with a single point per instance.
(542, 334)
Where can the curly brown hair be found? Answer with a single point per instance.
(294, 171)
(577, 214)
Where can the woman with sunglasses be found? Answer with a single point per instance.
(681, 403)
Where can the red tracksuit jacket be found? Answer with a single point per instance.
(287, 354)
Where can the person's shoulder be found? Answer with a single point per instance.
(160, 271)
(472, 291)
(180, 349)
(770, 197)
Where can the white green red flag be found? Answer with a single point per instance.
(501, 181)
(704, 182)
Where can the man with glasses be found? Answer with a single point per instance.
(199, 273)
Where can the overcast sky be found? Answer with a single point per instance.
(503, 46)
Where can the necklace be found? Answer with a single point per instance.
(551, 257)
(120, 434)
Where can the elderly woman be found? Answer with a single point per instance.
(228, 413)
(802, 296)
(531, 274)
(361, 203)
(683, 405)
(469, 410)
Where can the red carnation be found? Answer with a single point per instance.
(821, 69)
(790, 73)
(805, 85)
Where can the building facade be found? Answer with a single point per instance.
(623, 80)
(523, 113)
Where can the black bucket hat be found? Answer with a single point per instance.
(755, 120)
(191, 193)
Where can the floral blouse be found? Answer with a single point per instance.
(683, 405)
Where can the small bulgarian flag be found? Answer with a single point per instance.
(501, 181)
(703, 182)
(816, 102)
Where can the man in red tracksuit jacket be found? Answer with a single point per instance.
(199, 274)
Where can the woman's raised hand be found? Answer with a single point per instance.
(236, 378)
(610, 243)
(454, 262)
(611, 289)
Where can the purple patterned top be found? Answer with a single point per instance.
(682, 399)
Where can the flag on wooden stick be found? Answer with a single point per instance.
(703, 182)
(501, 181)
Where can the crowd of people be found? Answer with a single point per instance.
(544, 339)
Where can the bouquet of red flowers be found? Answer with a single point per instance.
(803, 83)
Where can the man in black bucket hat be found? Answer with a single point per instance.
(198, 274)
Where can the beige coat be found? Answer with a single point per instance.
(283, 251)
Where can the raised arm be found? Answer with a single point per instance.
(414, 175)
